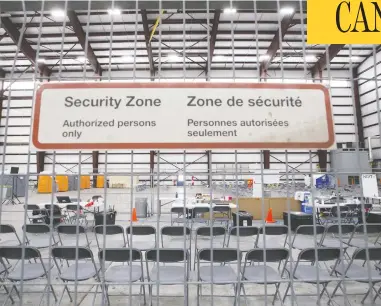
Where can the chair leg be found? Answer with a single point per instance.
(144, 293)
(285, 294)
(198, 294)
(244, 294)
(366, 295)
(277, 294)
(68, 292)
(377, 295)
(150, 294)
(53, 292)
(9, 295)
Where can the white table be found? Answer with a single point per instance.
(191, 205)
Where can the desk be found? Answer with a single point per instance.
(191, 205)
(98, 206)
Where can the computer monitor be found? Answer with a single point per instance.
(63, 199)
(14, 170)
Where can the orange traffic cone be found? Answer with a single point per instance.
(269, 218)
(134, 218)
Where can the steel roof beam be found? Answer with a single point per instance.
(277, 40)
(320, 65)
(212, 42)
(25, 47)
(78, 30)
(148, 44)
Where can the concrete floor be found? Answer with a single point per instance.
(169, 295)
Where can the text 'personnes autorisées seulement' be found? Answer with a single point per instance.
(195, 127)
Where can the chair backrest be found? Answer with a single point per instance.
(219, 255)
(141, 230)
(56, 208)
(371, 228)
(373, 252)
(310, 230)
(343, 228)
(335, 210)
(119, 254)
(179, 210)
(73, 207)
(167, 255)
(6, 229)
(221, 208)
(175, 231)
(32, 207)
(323, 254)
(244, 231)
(16, 253)
(352, 207)
(71, 253)
(274, 229)
(214, 231)
(272, 255)
(69, 229)
(202, 210)
(37, 228)
(110, 229)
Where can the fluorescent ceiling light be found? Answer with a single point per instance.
(114, 11)
(41, 60)
(310, 58)
(230, 10)
(126, 59)
(57, 13)
(81, 59)
(264, 57)
(286, 10)
(173, 57)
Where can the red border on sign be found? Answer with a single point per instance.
(183, 145)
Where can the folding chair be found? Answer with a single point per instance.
(222, 274)
(24, 271)
(197, 215)
(39, 236)
(263, 273)
(8, 229)
(206, 235)
(78, 271)
(69, 234)
(302, 241)
(145, 236)
(361, 234)
(248, 236)
(359, 272)
(181, 218)
(74, 213)
(222, 214)
(112, 231)
(57, 214)
(352, 212)
(311, 273)
(34, 213)
(337, 214)
(174, 271)
(121, 273)
(332, 237)
(273, 235)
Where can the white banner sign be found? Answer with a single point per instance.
(182, 116)
(369, 185)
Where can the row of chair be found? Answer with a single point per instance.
(172, 267)
(347, 213)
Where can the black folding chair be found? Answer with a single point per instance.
(335, 234)
(248, 236)
(69, 234)
(223, 274)
(53, 211)
(263, 273)
(222, 214)
(337, 214)
(6, 229)
(311, 273)
(304, 236)
(359, 271)
(360, 236)
(34, 213)
(113, 231)
(39, 236)
(197, 215)
(78, 271)
(274, 234)
(24, 271)
(74, 213)
(206, 237)
(174, 271)
(121, 273)
(137, 231)
(181, 218)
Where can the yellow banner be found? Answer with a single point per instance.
(344, 22)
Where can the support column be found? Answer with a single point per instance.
(40, 160)
(209, 162)
(151, 167)
(356, 96)
(266, 159)
(95, 167)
